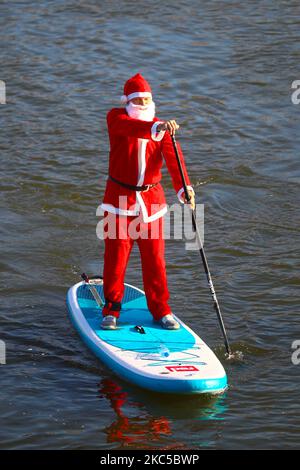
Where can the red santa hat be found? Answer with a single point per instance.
(136, 87)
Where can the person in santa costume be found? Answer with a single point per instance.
(139, 142)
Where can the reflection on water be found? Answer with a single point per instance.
(134, 430)
(144, 419)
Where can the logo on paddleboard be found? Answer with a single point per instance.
(185, 368)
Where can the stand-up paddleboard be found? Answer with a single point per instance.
(140, 350)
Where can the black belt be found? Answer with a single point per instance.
(145, 187)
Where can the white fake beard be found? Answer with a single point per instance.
(144, 113)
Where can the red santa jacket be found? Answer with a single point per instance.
(136, 157)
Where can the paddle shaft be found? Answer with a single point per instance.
(93, 291)
(201, 250)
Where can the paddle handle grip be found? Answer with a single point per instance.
(85, 277)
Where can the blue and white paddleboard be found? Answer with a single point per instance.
(170, 361)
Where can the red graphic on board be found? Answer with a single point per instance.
(184, 368)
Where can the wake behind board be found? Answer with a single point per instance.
(170, 361)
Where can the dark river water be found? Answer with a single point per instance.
(223, 70)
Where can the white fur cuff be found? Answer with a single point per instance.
(181, 191)
(157, 136)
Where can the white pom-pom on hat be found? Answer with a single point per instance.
(123, 99)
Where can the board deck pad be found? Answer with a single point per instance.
(174, 361)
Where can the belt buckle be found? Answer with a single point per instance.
(148, 187)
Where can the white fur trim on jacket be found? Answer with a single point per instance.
(142, 145)
(146, 217)
(181, 191)
(140, 205)
(157, 136)
(116, 210)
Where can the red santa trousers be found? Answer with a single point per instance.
(118, 246)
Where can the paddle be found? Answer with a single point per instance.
(93, 290)
(201, 250)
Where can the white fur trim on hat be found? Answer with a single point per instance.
(139, 94)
